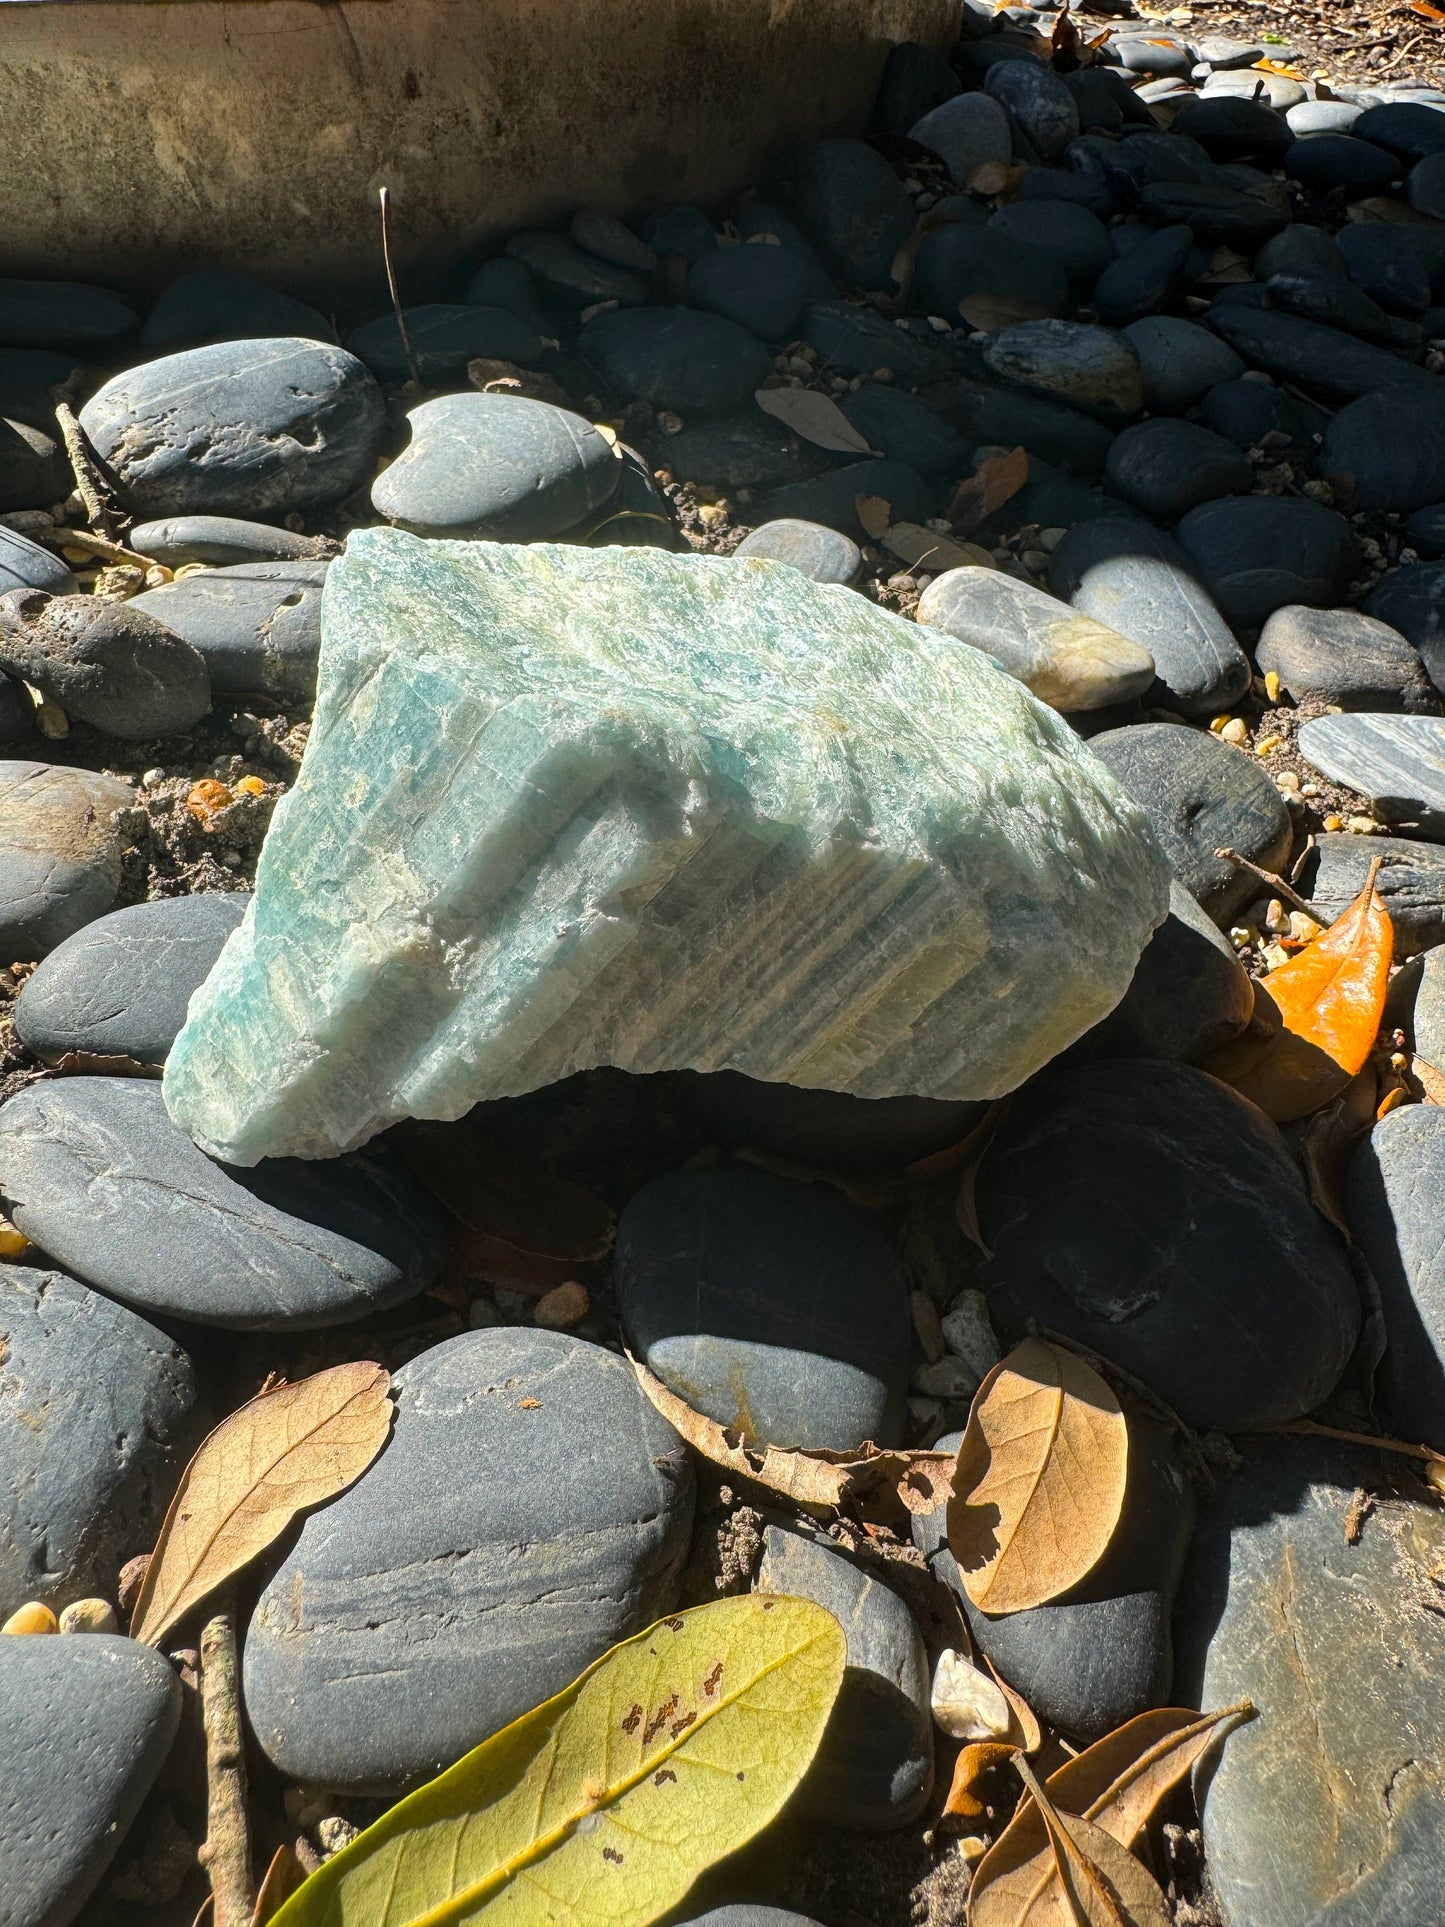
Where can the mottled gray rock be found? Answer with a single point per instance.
(1180, 361)
(85, 1727)
(676, 358)
(1201, 794)
(1189, 995)
(1395, 1205)
(59, 853)
(444, 337)
(1412, 884)
(496, 467)
(767, 1304)
(874, 1766)
(1340, 656)
(1167, 467)
(104, 663)
(827, 1130)
(1255, 553)
(822, 554)
(219, 540)
(1095, 369)
(530, 1510)
(1102, 1652)
(119, 988)
(850, 203)
(94, 1431)
(1330, 1630)
(95, 1173)
(964, 133)
(1390, 449)
(1147, 1211)
(1038, 100)
(25, 565)
(257, 624)
(242, 428)
(1397, 761)
(1068, 660)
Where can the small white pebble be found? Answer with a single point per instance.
(968, 1332)
(1309, 789)
(948, 1377)
(563, 1306)
(1287, 780)
(1302, 928)
(1236, 731)
(967, 1705)
(1275, 919)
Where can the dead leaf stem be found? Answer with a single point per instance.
(1276, 883)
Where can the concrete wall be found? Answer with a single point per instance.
(144, 139)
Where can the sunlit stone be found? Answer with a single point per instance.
(564, 807)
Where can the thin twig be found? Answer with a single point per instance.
(385, 195)
(82, 463)
(101, 545)
(226, 1855)
(1276, 883)
(1308, 1425)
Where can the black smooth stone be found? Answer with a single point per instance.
(1246, 411)
(737, 1288)
(748, 450)
(1255, 553)
(444, 337)
(1412, 600)
(224, 540)
(1425, 531)
(1145, 279)
(1180, 362)
(990, 416)
(257, 624)
(1339, 304)
(120, 986)
(850, 203)
(1233, 129)
(1189, 994)
(1150, 1213)
(1220, 216)
(956, 262)
(1038, 101)
(1167, 467)
(831, 1130)
(1301, 250)
(571, 276)
(1072, 236)
(1404, 128)
(858, 341)
(62, 314)
(1425, 189)
(1385, 267)
(832, 498)
(1389, 449)
(915, 79)
(215, 304)
(1143, 160)
(505, 283)
(680, 230)
(676, 358)
(906, 429)
(1320, 359)
(1340, 161)
(1072, 186)
(1102, 1652)
(1395, 1207)
(1412, 884)
(1342, 657)
(34, 470)
(762, 288)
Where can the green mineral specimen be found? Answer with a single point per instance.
(564, 807)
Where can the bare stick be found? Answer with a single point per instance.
(385, 195)
(93, 544)
(87, 476)
(1357, 1438)
(226, 1855)
(1276, 883)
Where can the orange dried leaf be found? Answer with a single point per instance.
(1423, 8)
(974, 1763)
(1329, 1001)
(1040, 1479)
(1024, 1730)
(996, 480)
(1276, 67)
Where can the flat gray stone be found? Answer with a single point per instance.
(1038, 99)
(767, 1304)
(105, 663)
(494, 1549)
(257, 624)
(1322, 116)
(95, 1409)
(821, 554)
(1149, 1212)
(1095, 369)
(874, 1765)
(1395, 1206)
(498, 467)
(59, 853)
(1180, 361)
(1068, 660)
(1323, 360)
(1137, 580)
(1102, 1652)
(220, 540)
(1412, 884)
(95, 1173)
(1340, 656)
(964, 133)
(1397, 761)
(119, 988)
(1332, 1633)
(86, 1722)
(1201, 794)
(252, 428)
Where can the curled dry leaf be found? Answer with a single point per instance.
(1024, 1732)
(814, 417)
(972, 1767)
(995, 480)
(286, 1450)
(1040, 1480)
(284, 1877)
(876, 1484)
(1329, 1001)
(606, 1802)
(1114, 1785)
(1328, 1140)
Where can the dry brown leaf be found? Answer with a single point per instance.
(285, 1450)
(923, 548)
(1103, 1882)
(985, 312)
(1024, 1730)
(815, 417)
(874, 514)
(876, 1484)
(1114, 1785)
(1040, 1480)
(993, 180)
(939, 1163)
(996, 480)
(1329, 999)
(974, 1763)
(1329, 1138)
(283, 1877)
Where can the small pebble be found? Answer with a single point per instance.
(334, 1833)
(32, 1617)
(967, 1705)
(562, 1307)
(89, 1616)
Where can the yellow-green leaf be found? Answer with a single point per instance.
(600, 1807)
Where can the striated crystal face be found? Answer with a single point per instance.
(564, 807)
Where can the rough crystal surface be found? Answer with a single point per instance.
(563, 808)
